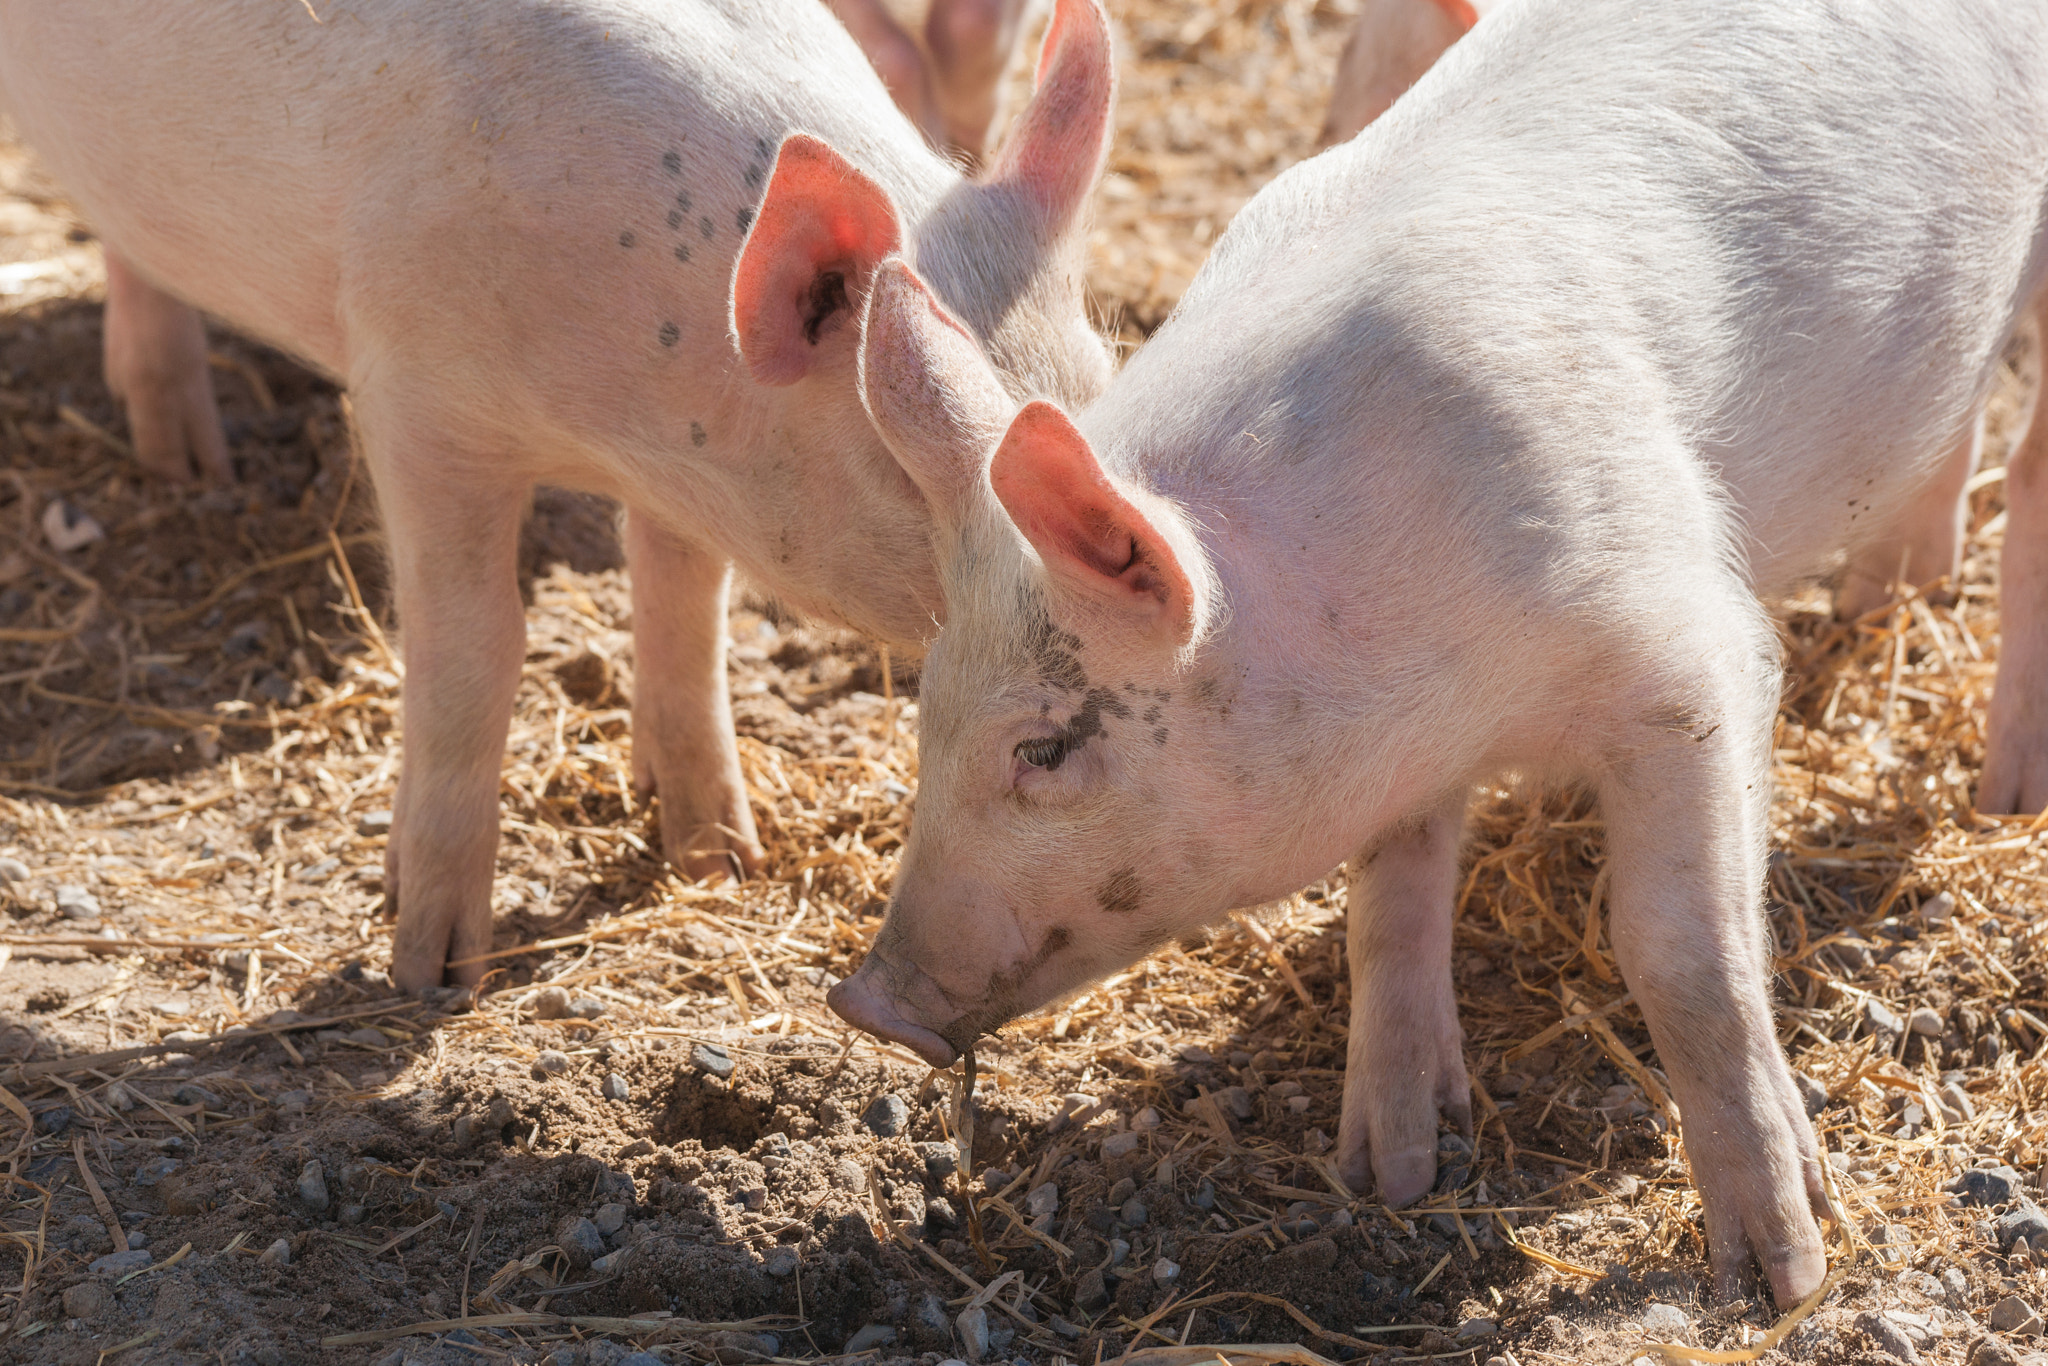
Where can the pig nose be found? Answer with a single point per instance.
(864, 1002)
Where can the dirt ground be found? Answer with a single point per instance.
(649, 1133)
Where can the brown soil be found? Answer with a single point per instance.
(198, 733)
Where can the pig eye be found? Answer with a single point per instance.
(1046, 752)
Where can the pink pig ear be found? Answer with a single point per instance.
(1055, 151)
(822, 228)
(929, 389)
(1088, 532)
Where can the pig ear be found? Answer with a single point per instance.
(821, 229)
(1088, 532)
(928, 387)
(1055, 151)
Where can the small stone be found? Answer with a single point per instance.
(88, 1299)
(1665, 1322)
(1147, 1120)
(1998, 1185)
(121, 1263)
(184, 1038)
(1121, 1145)
(1133, 1213)
(1165, 1272)
(120, 1097)
(368, 1037)
(753, 1198)
(551, 1062)
(278, 1253)
(1194, 1054)
(1812, 1095)
(615, 1087)
(189, 1094)
(77, 903)
(1044, 1199)
(586, 1008)
(1879, 1018)
(610, 1262)
(2023, 1221)
(14, 870)
(610, 1219)
(709, 1057)
(550, 1003)
(941, 1160)
(782, 1261)
(1235, 1102)
(1938, 909)
(868, 1338)
(154, 1170)
(580, 1239)
(54, 1120)
(294, 1102)
(67, 528)
(137, 1238)
(1474, 1328)
(972, 1323)
(1954, 1283)
(1925, 1022)
(2010, 1315)
(847, 1175)
(886, 1116)
(1958, 1103)
(1091, 1292)
(1887, 1337)
(313, 1186)
(1069, 1331)
(1118, 1250)
(351, 1214)
(1298, 1104)
(1991, 1352)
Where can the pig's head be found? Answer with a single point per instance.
(1068, 798)
(1004, 252)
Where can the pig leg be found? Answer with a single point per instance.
(682, 710)
(2016, 752)
(971, 42)
(1929, 538)
(1406, 1060)
(1686, 803)
(453, 525)
(155, 361)
(1391, 45)
(894, 55)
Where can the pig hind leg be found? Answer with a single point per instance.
(1686, 797)
(1406, 1058)
(896, 59)
(453, 524)
(683, 745)
(2016, 751)
(155, 360)
(971, 43)
(1927, 543)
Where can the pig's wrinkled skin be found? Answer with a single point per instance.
(954, 96)
(1473, 449)
(1391, 45)
(516, 231)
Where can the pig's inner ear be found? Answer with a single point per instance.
(821, 229)
(1056, 150)
(1088, 532)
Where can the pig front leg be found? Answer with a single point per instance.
(683, 744)
(1928, 539)
(154, 355)
(1686, 801)
(2016, 751)
(1406, 1060)
(453, 524)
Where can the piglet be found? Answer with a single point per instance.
(951, 84)
(616, 245)
(1474, 449)
(1392, 43)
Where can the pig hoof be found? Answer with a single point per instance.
(711, 851)
(1405, 1177)
(177, 433)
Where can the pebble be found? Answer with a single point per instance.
(1120, 1145)
(1991, 1352)
(1812, 1094)
(1989, 1185)
(1957, 1101)
(1938, 909)
(1665, 1321)
(941, 1160)
(1955, 1283)
(1165, 1272)
(1067, 1330)
(869, 1337)
(77, 903)
(886, 1116)
(2010, 1315)
(782, 1261)
(87, 1299)
(313, 1186)
(847, 1175)
(1880, 1018)
(549, 1003)
(1887, 1337)
(1091, 1291)
(154, 1170)
(1925, 1022)
(552, 1062)
(1236, 1102)
(709, 1057)
(610, 1219)
(137, 1238)
(1118, 1250)
(1194, 1053)
(13, 870)
(1133, 1213)
(121, 1263)
(1146, 1120)
(294, 1102)
(615, 1087)
(580, 1239)
(1044, 1199)
(2024, 1221)
(278, 1253)
(368, 1037)
(190, 1094)
(1475, 1328)
(54, 1120)
(610, 1262)
(972, 1323)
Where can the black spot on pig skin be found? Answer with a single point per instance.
(697, 437)
(675, 218)
(1158, 735)
(744, 218)
(683, 200)
(672, 162)
(670, 334)
(1121, 893)
(1056, 938)
(682, 251)
(704, 226)
(627, 239)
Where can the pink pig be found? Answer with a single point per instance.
(1391, 45)
(1475, 448)
(617, 245)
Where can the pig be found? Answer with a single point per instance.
(1475, 449)
(1391, 45)
(951, 87)
(614, 245)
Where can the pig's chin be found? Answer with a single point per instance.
(857, 1001)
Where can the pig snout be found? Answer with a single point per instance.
(879, 998)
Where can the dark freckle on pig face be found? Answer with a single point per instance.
(627, 239)
(670, 334)
(697, 437)
(682, 251)
(754, 174)
(1158, 735)
(672, 162)
(1056, 938)
(704, 226)
(1120, 894)
(675, 218)
(744, 218)
(1151, 716)
(683, 200)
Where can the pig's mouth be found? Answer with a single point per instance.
(863, 1002)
